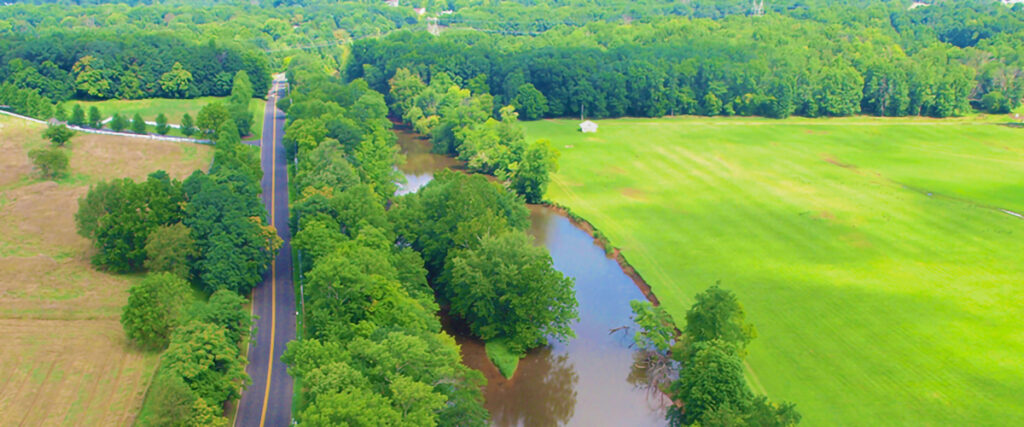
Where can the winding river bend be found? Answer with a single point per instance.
(586, 381)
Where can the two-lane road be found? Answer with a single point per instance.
(268, 400)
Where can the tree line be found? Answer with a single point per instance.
(101, 64)
(702, 368)
(373, 352)
(772, 66)
(207, 232)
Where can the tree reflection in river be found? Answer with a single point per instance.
(542, 392)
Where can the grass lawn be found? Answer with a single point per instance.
(872, 255)
(64, 357)
(172, 108)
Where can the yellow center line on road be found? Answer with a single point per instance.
(273, 263)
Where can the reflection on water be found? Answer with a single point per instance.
(420, 163)
(588, 381)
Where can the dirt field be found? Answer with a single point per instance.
(64, 359)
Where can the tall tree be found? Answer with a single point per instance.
(77, 115)
(176, 82)
(188, 127)
(171, 248)
(161, 124)
(507, 288)
(118, 123)
(95, 118)
(155, 307)
(138, 124)
(717, 314)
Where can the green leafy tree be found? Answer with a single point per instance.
(155, 307)
(996, 103)
(717, 314)
(207, 361)
(533, 172)
(118, 123)
(95, 118)
(171, 248)
(119, 215)
(375, 159)
(712, 379)
(188, 127)
(161, 124)
(52, 163)
(91, 78)
(138, 124)
(238, 103)
(176, 82)
(170, 401)
(507, 288)
(58, 135)
(61, 112)
(353, 407)
(712, 106)
(77, 115)
(211, 117)
(227, 309)
(530, 101)
(405, 86)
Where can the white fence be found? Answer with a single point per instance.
(108, 132)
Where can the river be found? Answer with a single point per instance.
(586, 381)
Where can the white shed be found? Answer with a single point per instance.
(588, 127)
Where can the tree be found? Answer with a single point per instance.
(238, 103)
(138, 124)
(226, 309)
(712, 379)
(188, 127)
(530, 101)
(351, 407)
(176, 82)
(60, 112)
(155, 307)
(170, 248)
(507, 288)
(119, 215)
(58, 135)
(211, 116)
(118, 123)
(161, 124)
(77, 115)
(95, 118)
(227, 136)
(169, 400)
(531, 176)
(996, 103)
(712, 105)
(207, 361)
(241, 89)
(51, 163)
(717, 314)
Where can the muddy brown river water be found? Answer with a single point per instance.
(588, 381)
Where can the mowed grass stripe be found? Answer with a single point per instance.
(875, 303)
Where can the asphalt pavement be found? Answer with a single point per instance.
(267, 401)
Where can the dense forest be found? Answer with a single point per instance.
(922, 62)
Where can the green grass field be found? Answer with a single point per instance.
(872, 255)
(172, 108)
